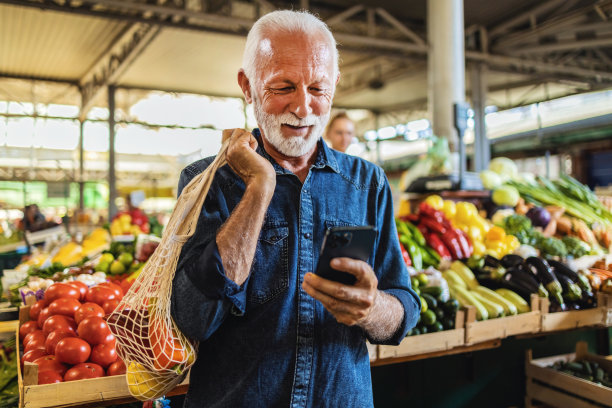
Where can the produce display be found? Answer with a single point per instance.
(587, 370)
(9, 385)
(134, 222)
(438, 310)
(67, 336)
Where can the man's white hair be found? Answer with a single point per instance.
(284, 21)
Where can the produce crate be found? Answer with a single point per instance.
(557, 389)
(372, 351)
(599, 316)
(428, 343)
(94, 391)
(502, 327)
(604, 300)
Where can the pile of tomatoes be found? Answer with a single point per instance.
(67, 335)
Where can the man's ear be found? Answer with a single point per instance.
(337, 78)
(245, 85)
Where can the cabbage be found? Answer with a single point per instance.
(490, 179)
(504, 167)
(506, 195)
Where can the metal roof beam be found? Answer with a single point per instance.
(562, 46)
(400, 27)
(523, 17)
(114, 62)
(344, 15)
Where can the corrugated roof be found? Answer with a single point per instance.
(52, 44)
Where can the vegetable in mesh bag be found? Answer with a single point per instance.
(157, 355)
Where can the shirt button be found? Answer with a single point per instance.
(307, 235)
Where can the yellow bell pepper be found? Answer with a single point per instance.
(479, 248)
(449, 209)
(142, 383)
(435, 201)
(496, 234)
(512, 243)
(465, 212)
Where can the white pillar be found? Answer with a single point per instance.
(446, 65)
(482, 147)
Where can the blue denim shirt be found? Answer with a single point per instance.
(267, 343)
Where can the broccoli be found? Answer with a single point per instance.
(552, 246)
(576, 247)
(514, 224)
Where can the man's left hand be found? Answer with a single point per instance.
(350, 305)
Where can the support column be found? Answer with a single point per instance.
(112, 188)
(482, 147)
(81, 168)
(446, 65)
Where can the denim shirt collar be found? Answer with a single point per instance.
(325, 157)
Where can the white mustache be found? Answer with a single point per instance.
(290, 119)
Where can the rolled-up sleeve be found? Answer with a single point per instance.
(389, 266)
(202, 295)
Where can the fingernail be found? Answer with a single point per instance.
(335, 262)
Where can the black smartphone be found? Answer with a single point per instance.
(348, 242)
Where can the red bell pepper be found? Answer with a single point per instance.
(434, 241)
(405, 255)
(466, 245)
(451, 240)
(433, 225)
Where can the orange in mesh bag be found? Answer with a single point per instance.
(156, 354)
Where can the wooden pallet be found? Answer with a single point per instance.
(93, 392)
(557, 389)
(572, 319)
(428, 343)
(502, 327)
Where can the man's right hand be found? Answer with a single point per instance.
(252, 168)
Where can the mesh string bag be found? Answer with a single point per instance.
(157, 355)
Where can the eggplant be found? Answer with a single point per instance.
(518, 289)
(511, 260)
(524, 279)
(577, 278)
(492, 262)
(545, 275)
(490, 283)
(571, 291)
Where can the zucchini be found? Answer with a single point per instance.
(452, 278)
(432, 303)
(465, 298)
(465, 273)
(434, 291)
(509, 307)
(521, 305)
(494, 309)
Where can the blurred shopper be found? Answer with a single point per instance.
(272, 333)
(33, 220)
(340, 132)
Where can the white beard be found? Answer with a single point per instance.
(294, 146)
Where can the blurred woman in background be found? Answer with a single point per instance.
(340, 132)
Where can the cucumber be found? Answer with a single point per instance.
(434, 291)
(494, 309)
(519, 302)
(432, 303)
(448, 323)
(436, 327)
(465, 298)
(452, 278)
(428, 318)
(451, 306)
(509, 307)
(439, 313)
(424, 306)
(465, 273)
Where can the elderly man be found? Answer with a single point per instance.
(272, 333)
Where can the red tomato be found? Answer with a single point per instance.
(103, 354)
(86, 310)
(72, 350)
(110, 305)
(95, 330)
(84, 370)
(61, 290)
(117, 368)
(49, 377)
(32, 355)
(54, 337)
(42, 317)
(27, 328)
(100, 294)
(36, 342)
(82, 287)
(36, 308)
(64, 306)
(29, 336)
(59, 322)
(116, 288)
(50, 363)
(125, 285)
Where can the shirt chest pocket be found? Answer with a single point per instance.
(269, 275)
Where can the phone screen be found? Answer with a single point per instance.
(348, 242)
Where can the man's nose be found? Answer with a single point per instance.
(300, 105)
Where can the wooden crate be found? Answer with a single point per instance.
(604, 300)
(572, 319)
(561, 390)
(90, 392)
(428, 343)
(372, 351)
(502, 327)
